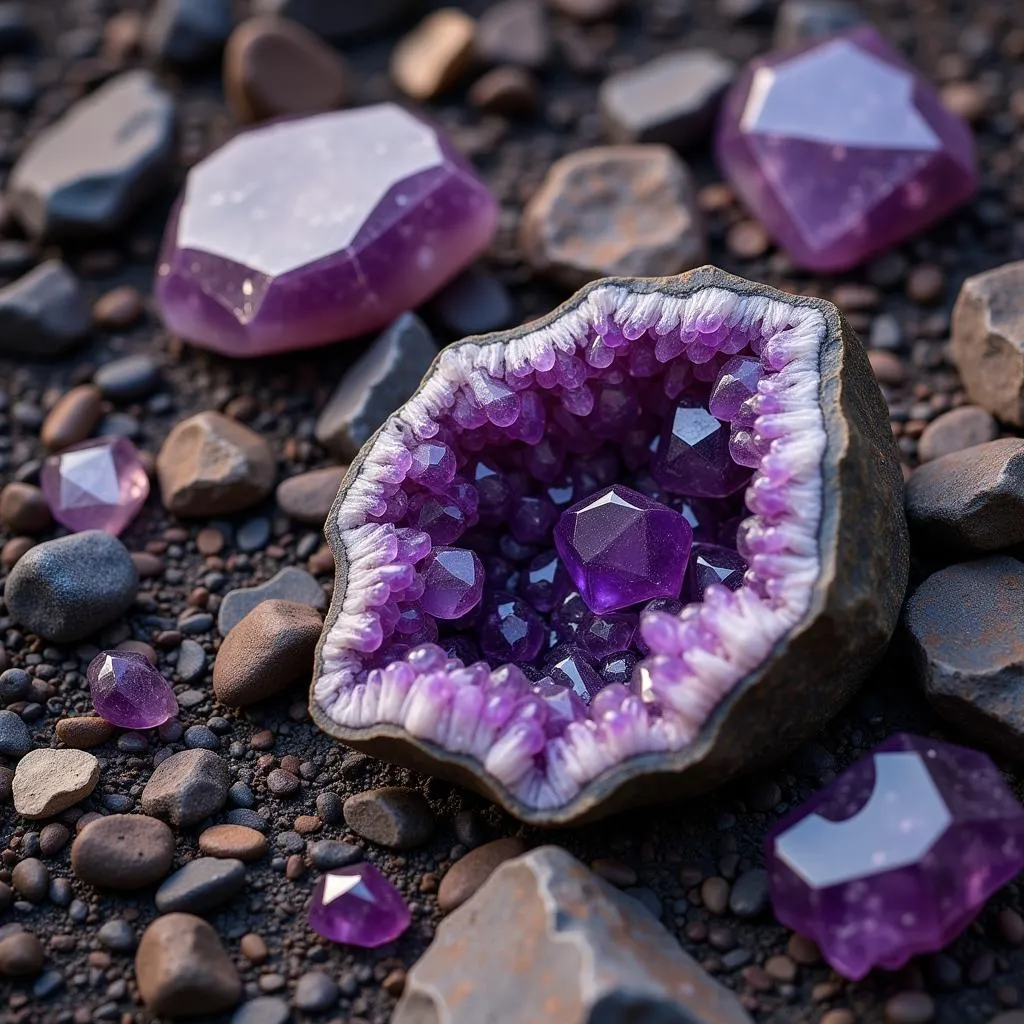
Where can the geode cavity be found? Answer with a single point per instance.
(464, 638)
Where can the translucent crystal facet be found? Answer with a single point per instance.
(96, 485)
(736, 382)
(842, 150)
(898, 855)
(128, 691)
(712, 565)
(358, 906)
(303, 232)
(453, 582)
(621, 548)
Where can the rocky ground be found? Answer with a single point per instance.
(695, 866)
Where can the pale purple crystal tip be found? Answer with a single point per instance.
(128, 691)
(898, 855)
(358, 906)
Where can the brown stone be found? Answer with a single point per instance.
(909, 1008)
(433, 56)
(468, 873)
(953, 431)
(253, 948)
(73, 418)
(887, 367)
(187, 787)
(147, 565)
(23, 508)
(21, 955)
(274, 67)
(267, 652)
(308, 497)
(510, 91)
(123, 851)
(747, 240)
(14, 550)
(614, 211)
(84, 733)
(183, 970)
(210, 465)
(581, 953)
(233, 841)
(119, 309)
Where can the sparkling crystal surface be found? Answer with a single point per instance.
(736, 382)
(358, 906)
(621, 548)
(572, 667)
(96, 485)
(898, 855)
(511, 631)
(128, 691)
(842, 151)
(713, 565)
(454, 582)
(303, 232)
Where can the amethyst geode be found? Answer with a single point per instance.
(775, 486)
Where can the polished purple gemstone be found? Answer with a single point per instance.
(736, 382)
(532, 519)
(898, 855)
(433, 465)
(358, 906)
(606, 634)
(511, 631)
(562, 704)
(128, 691)
(843, 150)
(96, 485)
(571, 666)
(494, 492)
(618, 668)
(453, 582)
(693, 455)
(314, 230)
(712, 565)
(441, 517)
(621, 548)
(544, 582)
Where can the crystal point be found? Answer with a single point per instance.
(128, 691)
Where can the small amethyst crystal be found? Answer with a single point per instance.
(128, 691)
(557, 580)
(898, 855)
(358, 906)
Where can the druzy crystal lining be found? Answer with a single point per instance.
(493, 716)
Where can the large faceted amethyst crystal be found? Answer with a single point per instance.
(715, 658)
(304, 232)
(842, 150)
(898, 855)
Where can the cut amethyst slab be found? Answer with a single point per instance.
(898, 855)
(707, 688)
(128, 691)
(95, 485)
(358, 906)
(304, 232)
(842, 150)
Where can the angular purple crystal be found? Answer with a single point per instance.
(842, 150)
(128, 691)
(898, 855)
(712, 565)
(511, 631)
(453, 582)
(96, 485)
(303, 232)
(571, 666)
(358, 906)
(736, 382)
(621, 548)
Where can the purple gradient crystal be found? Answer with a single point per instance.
(128, 691)
(736, 382)
(562, 704)
(843, 150)
(532, 518)
(304, 232)
(494, 492)
(511, 631)
(442, 518)
(96, 485)
(433, 465)
(693, 455)
(898, 855)
(618, 668)
(453, 582)
(571, 666)
(544, 582)
(621, 548)
(358, 906)
(610, 633)
(712, 565)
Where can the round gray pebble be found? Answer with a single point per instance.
(191, 661)
(315, 992)
(201, 737)
(201, 885)
(328, 854)
(127, 378)
(14, 738)
(116, 935)
(749, 895)
(248, 817)
(262, 1010)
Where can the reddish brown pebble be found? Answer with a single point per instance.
(21, 955)
(887, 367)
(253, 948)
(294, 867)
(433, 56)
(909, 1008)
(967, 99)
(747, 240)
(14, 550)
(321, 562)
(307, 497)
(510, 91)
(123, 852)
(138, 647)
(925, 283)
(233, 841)
(119, 309)
(262, 740)
(714, 893)
(53, 838)
(122, 35)
(148, 565)
(83, 733)
(209, 541)
(953, 431)
(1011, 926)
(468, 873)
(838, 1017)
(780, 969)
(394, 982)
(803, 950)
(73, 418)
(306, 824)
(23, 508)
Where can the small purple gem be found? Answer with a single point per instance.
(454, 582)
(736, 382)
(898, 855)
(532, 519)
(442, 518)
(693, 455)
(358, 906)
(563, 706)
(433, 465)
(621, 548)
(511, 631)
(618, 668)
(128, 691)
(544, 582)
(711, 565)
(609, 633)
(571, 666)
(494, 492)
(96, 485)
(842, 151)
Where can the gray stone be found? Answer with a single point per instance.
(315, 992)
(43, 313)
(290, 584)
(328, 854)
(91, 170)
(333, 20)
(970, 501)
(581, 947)
(376, 385)
(748, 896)
(66, 589)
(188, 31)
(804, 21)
(191, 661)
(392, 816)
(128, 378)
(307, 497)
(514, 32)
(201, 885)
(187, 787)
(116, 935)
(15, 741)
(672, 99)
(966, 631)
(953, 431)
(474, 303)
(262, 1010)
(49, 781)
(987, 340)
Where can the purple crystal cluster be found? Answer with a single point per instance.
(842, 150)
(549, 554)
(898, 855)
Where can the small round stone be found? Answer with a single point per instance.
(15, 741)
(117, 935)
(470, 872)
(307, 497)
(73, 418)
(956, 430)
(23, 508)
(53, 838)
(123, 852)
(328, 854)
(909, 1008)
(31, 879)
(21, 955)
(315, 992)
(392, 816)
(127, 379)
(187, 787)
(749, 895)
(83, 733)
(233, 841)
